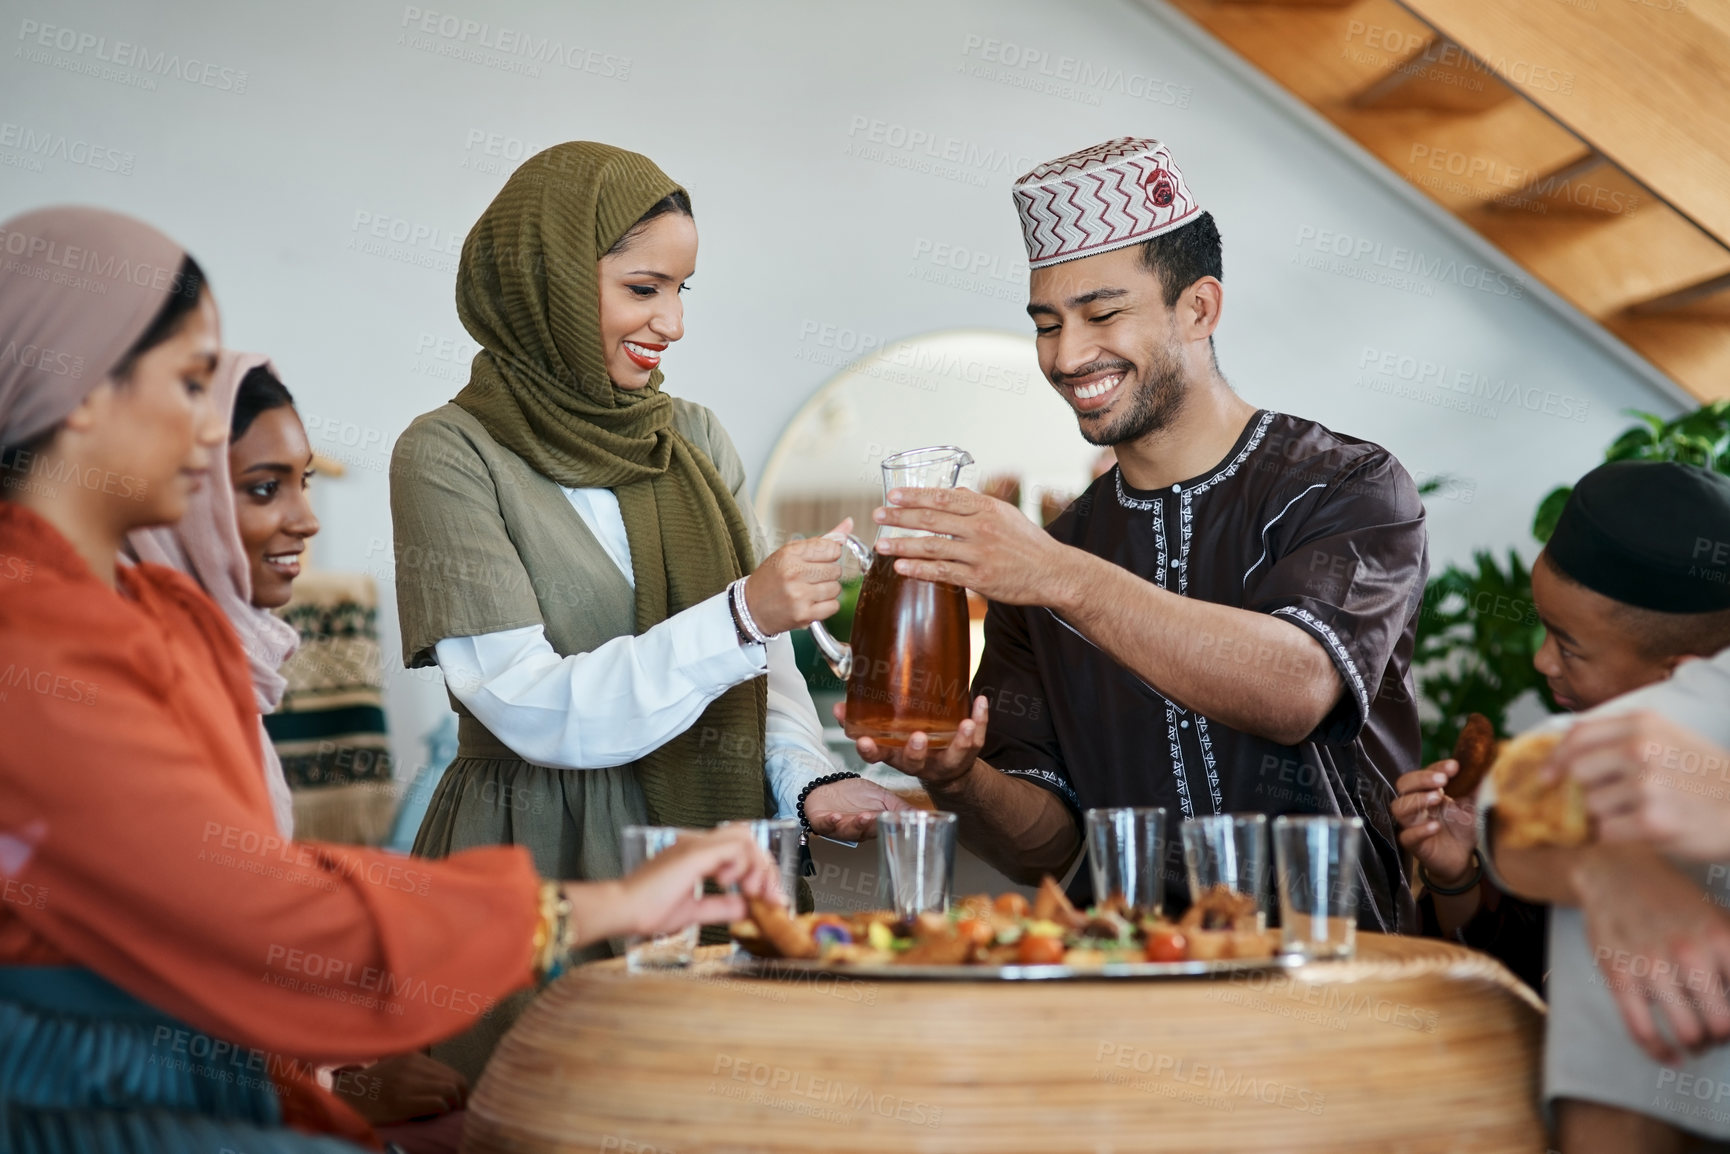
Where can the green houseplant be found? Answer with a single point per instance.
(1478, 631)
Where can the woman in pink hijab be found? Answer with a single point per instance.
(245, 577)
(154, 919)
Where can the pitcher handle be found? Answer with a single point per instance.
(839, 654)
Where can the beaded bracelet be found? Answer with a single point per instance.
(736, 592)
(555, 933)
(745, 638)
(830, 779)
(1465, 887)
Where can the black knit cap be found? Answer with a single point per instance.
(1654, 534)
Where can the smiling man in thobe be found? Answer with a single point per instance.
(1222, 623)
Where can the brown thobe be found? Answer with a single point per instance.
(1318, 529)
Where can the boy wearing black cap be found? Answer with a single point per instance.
(1629, 587)
(1632, 582)
(1632, 585)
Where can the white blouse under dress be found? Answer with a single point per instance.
(616, 703)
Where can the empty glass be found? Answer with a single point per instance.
(779, 838)
(637, 844)
(1124, 849)
(1228, 849)
(1317, 862)
(918, 855)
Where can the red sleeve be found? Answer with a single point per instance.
(133, 815)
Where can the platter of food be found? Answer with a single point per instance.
(1008, 938)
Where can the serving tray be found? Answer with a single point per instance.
(1110, 971)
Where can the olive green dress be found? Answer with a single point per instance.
(485, 543)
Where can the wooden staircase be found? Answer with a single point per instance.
(1589, 140)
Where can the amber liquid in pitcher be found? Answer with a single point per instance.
(910, 659)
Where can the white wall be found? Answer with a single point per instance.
(767, 111)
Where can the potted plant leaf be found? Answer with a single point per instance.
(1478, 631)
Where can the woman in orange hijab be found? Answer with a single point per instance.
(170, 966)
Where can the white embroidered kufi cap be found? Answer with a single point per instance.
(1106, 197)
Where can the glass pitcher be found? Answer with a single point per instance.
(906, 669)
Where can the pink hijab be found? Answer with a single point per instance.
(205, 545)
(78, 287)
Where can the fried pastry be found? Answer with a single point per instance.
(1222, 908)
(1051, 904)
(752, 941)
(1208, 945)
(787, 937)
(1476, 752)
(938, 950)
(1530, 811)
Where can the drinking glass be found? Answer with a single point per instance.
(1125, 847)
(1228, 849)
(637, 844)
(779, 838)
(1316, 858)
(918, 855)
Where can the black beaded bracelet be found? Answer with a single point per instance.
(829, 779)
(1465, 887)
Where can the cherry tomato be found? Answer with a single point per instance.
(1013, 904)
(1167, 946)
(1039, 950)
(976, 930)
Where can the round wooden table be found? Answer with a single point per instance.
(1414, 1046)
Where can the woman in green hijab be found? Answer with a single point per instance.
(574, 550)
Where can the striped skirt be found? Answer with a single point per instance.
(86, 1068)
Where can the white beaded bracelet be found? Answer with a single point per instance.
(736, 592)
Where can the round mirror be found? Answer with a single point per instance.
(976, 388)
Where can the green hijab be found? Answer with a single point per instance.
(528, 292)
